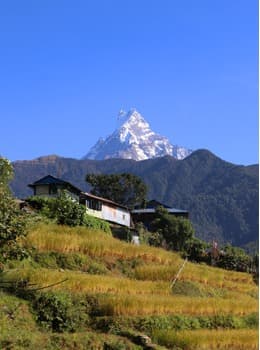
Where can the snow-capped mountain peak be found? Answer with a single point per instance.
(133, 127)
(134, 139)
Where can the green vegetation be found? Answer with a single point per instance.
(126, 189)
(108, 294)
(222, 198)
(173, 232)
(64, 211)
(74, 286)
(12, 223)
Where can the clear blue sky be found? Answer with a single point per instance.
(189, 67)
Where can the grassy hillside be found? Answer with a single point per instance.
(83, 289)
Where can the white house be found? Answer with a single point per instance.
(106, 209)
(50, 186)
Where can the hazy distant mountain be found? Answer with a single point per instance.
(222, 198)
(134, 139)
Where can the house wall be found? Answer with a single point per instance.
(113, 214)
(96, 213)
(42, 190)
(118, 215)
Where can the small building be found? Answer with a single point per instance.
(106, 209)
(51, 186)
(102, 208)
(147, 214)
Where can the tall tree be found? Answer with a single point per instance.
(6, 173)
(176, 231)
(126, 189)
(12, 223)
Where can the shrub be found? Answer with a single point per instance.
(12, 220)
(234, 258)
(57, 312)
(68, 212)
(195, 250)
(62, 208)
(13, 251)
(37, 202)
(96, 224)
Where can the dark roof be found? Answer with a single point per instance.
(152, 210)
(49, 179)
(153, 204)
(102, 199)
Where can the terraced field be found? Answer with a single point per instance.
(83, 289)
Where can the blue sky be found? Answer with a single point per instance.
(189, 67)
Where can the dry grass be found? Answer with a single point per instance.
(149, 293)
(161, 265)
(146, 293)
(209, 339)
(78, 282)
(123, 296)
(138, 305)
(93, 243)
(206, 275)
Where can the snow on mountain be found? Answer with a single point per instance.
(133, 139)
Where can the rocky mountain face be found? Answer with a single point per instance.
(221, 197)
(134, 139)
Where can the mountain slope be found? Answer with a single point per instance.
(134, 139)
(222, 198)
(104, 293)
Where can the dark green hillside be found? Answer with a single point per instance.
(222, 197)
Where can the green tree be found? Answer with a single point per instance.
(125, 189)
(12, 221)
(234, 258)
(65, 210)
(176, 231)
(6, 173)
(196, 250)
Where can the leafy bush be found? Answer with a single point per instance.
(195, 250)
(14, 251)
(62, 208)
(95, 223)
(58, 312)
(234, 258)
(12, 220)
(37, 202)
(67, 212)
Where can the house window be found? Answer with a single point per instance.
(94, 204)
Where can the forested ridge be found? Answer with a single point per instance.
(222, 197)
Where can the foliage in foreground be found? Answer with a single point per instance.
(67, 212)
(12, 222)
